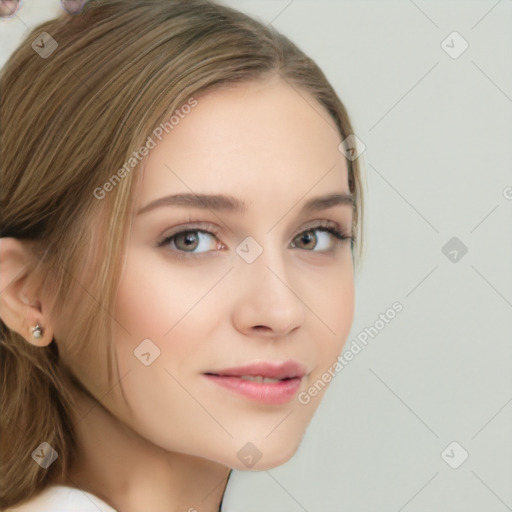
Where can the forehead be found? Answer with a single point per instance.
(246, 140)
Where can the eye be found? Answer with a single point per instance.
(320, 238)
(191, 241)
(197, 240)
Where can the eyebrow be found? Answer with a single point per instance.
(221, 202)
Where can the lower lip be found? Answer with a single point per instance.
(275, 393)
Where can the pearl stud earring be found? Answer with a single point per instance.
(37, 332)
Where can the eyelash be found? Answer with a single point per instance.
(211, 230)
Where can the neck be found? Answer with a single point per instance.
(131, 474)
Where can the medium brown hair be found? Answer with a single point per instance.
(69, 122)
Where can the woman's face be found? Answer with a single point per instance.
(271, 293)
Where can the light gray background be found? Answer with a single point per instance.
(438, 134)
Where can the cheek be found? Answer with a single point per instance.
(331, 298)
(154, 301)
(163, 319)
(160, 327)
(335, 310)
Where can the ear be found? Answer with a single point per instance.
(20, 304)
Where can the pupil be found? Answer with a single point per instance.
(189, 240)
(307, 238)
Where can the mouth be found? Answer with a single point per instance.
(264, 382)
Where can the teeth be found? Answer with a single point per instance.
(259, 378)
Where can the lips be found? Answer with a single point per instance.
(268, 370)
(264, 382)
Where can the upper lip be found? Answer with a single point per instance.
(268, 369)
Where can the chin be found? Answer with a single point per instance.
(267, 462)
(263, 455)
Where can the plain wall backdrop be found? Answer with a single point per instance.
(421, 417)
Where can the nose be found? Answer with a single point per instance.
(266, 302)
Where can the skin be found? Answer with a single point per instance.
(179, 433)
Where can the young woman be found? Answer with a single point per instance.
(179, 233)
